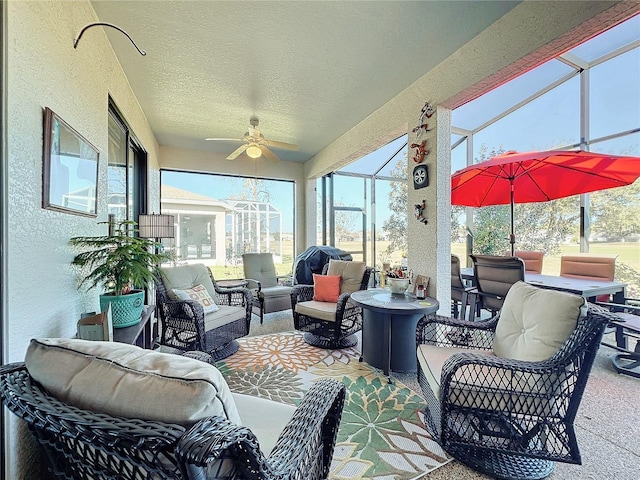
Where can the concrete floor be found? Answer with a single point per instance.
(607, 427)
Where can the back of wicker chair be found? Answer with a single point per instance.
(502, 417)
(82, 444)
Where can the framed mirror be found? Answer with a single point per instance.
(70, 169)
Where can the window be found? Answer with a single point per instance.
(127, 177)
(220, 217)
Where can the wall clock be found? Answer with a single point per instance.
(420, 177)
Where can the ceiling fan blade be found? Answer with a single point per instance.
(284, 146)
(226, 139)
(237, 152)
(269, 154)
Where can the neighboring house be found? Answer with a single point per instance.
(214, 231)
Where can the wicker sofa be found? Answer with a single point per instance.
(109, 410)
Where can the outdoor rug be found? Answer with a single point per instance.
(381, 435)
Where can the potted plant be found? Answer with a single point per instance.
(123, 265)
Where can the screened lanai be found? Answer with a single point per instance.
(587, 98)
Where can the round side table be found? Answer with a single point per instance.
(389, 328)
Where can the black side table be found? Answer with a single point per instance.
(141, 334)
(389, 328)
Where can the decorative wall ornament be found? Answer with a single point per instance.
(420, 207)
(104, 24)
(421, 151)
(420, 177)
(420, 146)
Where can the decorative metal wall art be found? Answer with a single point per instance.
(420, 207)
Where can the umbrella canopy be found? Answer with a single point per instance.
(539, 177)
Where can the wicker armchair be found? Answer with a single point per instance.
(505, 417)
(329, 325)
(85, 444)
(184, 324)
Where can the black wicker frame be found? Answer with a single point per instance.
(327, 334)
(182, 322)
(486, 419)
(81, 444)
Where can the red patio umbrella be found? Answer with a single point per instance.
(529, 177)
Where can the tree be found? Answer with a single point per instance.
(396, 225)
(615, 211)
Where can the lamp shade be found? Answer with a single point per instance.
(254, 151)
(156, 226)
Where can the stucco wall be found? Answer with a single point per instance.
(44, 70)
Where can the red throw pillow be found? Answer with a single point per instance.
(326, 288)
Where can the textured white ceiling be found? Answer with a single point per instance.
(309, 70)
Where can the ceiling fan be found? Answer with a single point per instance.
(255, 143)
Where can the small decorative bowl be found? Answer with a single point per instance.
(398, 285)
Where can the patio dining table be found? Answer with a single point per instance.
(580, 286)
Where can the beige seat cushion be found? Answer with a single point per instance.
(323, 310)
(431, 359)
(224, 315)
(509, 392)
(265, 418)
(184, 277)
(128, 381)
(351, 273)
(534, 322)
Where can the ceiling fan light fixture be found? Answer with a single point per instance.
(254, 151)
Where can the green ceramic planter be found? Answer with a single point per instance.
(126, 310)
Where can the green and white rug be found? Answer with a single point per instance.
(381, 435)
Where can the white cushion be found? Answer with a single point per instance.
(534, 323)
(264, 417)
(128, 381)
(188, 276)
(199, 294)
(323, 310)
(351, 273)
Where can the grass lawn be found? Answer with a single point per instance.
(628, 253)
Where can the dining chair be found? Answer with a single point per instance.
(590, 267)
(460, 293)
(532, 260)
(494, 275)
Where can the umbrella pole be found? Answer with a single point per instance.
(512, 237)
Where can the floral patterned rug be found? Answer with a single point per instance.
(381, 435)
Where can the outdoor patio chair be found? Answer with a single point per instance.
(532, 260)
(502, 395)
(494, 276)
(590, 267)
(110, 410)
(330, 319)
(460, 293)
(626, 326)
(195, 314)
(270, 294)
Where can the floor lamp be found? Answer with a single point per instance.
(156, 226)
